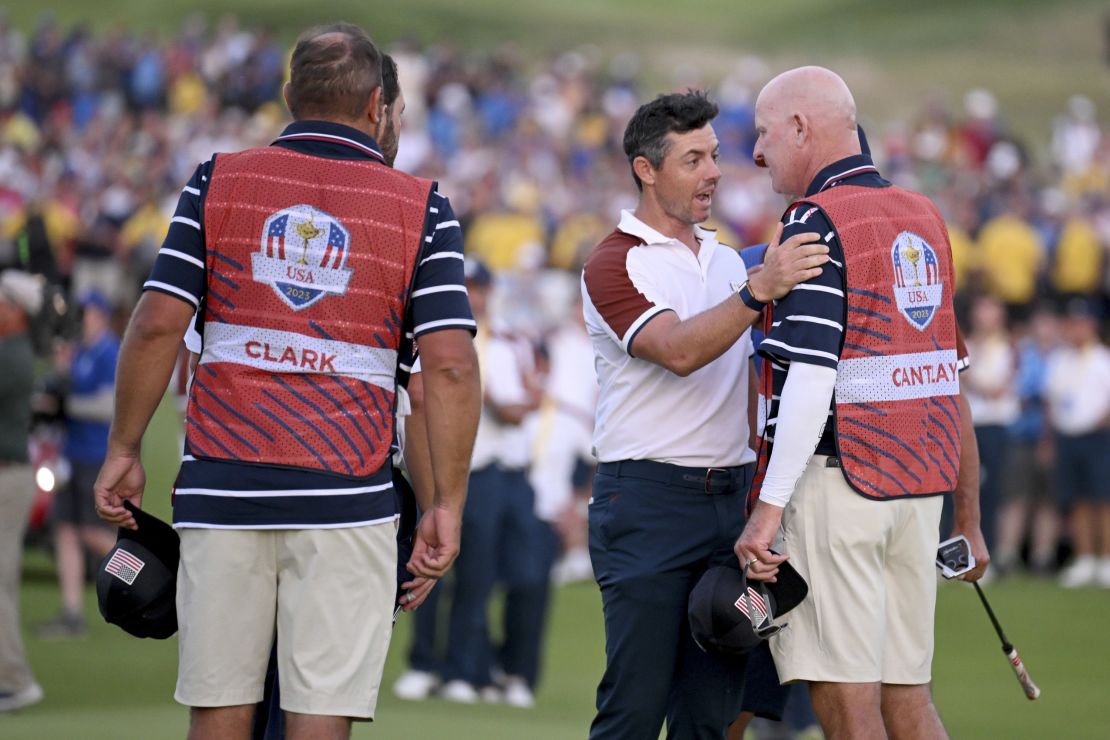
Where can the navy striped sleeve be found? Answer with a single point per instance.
(809, 322)
(439, 299)
(179, 267)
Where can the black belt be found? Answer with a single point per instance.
(704, 480)
(833, 462)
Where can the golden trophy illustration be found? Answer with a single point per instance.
(309, 230)
(914, 256)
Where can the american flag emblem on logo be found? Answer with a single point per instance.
(759, 606)
(124, 566)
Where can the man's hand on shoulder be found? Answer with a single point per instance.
(794, 261)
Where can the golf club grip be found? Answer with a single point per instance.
(1031, 690)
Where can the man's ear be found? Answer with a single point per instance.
(285, 94)
(801, 128)
(375, 110)
(643, 169)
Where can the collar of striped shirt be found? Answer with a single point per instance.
(327, 138)
(854, 166)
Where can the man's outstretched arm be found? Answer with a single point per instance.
(683, 346)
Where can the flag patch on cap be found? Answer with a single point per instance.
(124, 566)
(759, 606)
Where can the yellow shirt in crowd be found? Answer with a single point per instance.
(1078, 264)
(1010, 256)
(501, 240)
(963, 254)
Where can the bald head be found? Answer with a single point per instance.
(806, 120)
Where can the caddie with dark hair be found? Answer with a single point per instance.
(312, 264)
(666, 307)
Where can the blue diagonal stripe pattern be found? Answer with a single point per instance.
(300, 417)
(229, 409)
(955, 424)
(861, 483)
(884, 453)
(370, 390)
(876, 468)
(212, 439)
(872, 314)
(861, 348)
(323, 415)
(339, 406)
(873, 409)
(878, 335)
(320, 330)
(208, 310)
(277, 420)
(934, 422)
(360, 404)
(870, 294)
(242, 440)
(891, 437)
(940, 466)
(225, 258)
(226, 280)
(955, 468)
(220, 298)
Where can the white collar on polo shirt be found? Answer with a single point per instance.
(629, 224)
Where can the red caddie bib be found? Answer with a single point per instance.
(309, 266)
(896, 407)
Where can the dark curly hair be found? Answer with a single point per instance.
(646, 134)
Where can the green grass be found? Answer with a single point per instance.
(1032, 53)
(114, 686)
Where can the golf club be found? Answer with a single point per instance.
(1031, 690)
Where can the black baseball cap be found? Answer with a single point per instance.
(136, 585)
(730, 614)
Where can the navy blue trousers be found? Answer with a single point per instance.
(649, 543)
(500, 543)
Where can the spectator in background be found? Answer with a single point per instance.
(510, 237)
(499, 522)
(89, 404)
(563, 442)
(1028, 503)
(1011, 255)
(1078, 263)
(1078, 395)
(989, 384)
(20, 299)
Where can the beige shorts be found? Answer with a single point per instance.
(870, 566)
(330, 593)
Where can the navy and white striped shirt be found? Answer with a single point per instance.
(809, 322)
(223, 494)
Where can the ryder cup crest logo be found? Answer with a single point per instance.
(303, 255)
(918, 288)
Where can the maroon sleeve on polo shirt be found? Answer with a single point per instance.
(623, 307)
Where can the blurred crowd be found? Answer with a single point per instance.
(99, 131)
